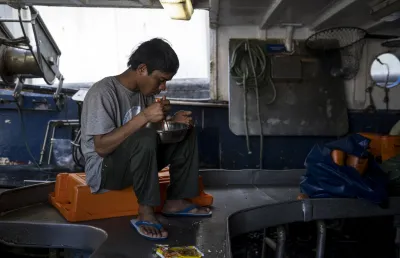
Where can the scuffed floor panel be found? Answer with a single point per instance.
(207, 234)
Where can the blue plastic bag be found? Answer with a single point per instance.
(325, 179)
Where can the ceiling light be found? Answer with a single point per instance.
(178, 9)
(391, 17)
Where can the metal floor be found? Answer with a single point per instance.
(244, 201)
(41, 225)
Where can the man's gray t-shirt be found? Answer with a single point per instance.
(107, 105)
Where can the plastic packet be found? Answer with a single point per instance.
(62, 153)
(165, 251)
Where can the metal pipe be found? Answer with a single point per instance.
(199, 104)
(22, 62)
(51, 145)
(49, 123)
(271, 243)
(263, 243)
(66, 122)
(321, 238)
(289, 38)
(44, 143)
(280, 247)
(16, 20)
(34, 182)
(52, 138)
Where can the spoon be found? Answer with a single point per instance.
(164, 122)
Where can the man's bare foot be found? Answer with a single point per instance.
(172, 206)
(146, 213)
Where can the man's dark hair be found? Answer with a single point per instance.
(156, 54)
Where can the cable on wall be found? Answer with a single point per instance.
(248, 68)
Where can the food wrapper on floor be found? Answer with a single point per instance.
(165, 251)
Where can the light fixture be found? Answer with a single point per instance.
(387, 10)
(178, 9)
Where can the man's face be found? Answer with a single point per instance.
(154, 83)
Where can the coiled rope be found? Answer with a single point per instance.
(248, 68)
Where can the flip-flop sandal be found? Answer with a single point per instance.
(186, 213)
(137, 224)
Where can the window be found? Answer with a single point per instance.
(96, 42)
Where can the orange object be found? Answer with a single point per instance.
(73, 199)
(385, 146)
(338, 157)
(302, 196)
(390, 146)
(375, 146)
(360, 164)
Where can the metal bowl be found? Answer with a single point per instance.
(170, 132)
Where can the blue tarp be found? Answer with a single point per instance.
(326, 179)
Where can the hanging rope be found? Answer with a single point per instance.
(248, 68)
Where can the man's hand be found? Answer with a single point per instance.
(154, 113)
(165, 103)
(183, 117)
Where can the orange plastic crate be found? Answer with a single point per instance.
(73, 199)
(390, 146)
(384, 146)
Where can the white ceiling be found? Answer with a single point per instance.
(315, 14)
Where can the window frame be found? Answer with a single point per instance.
(212, 84)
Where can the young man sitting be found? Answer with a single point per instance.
(120, 151)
